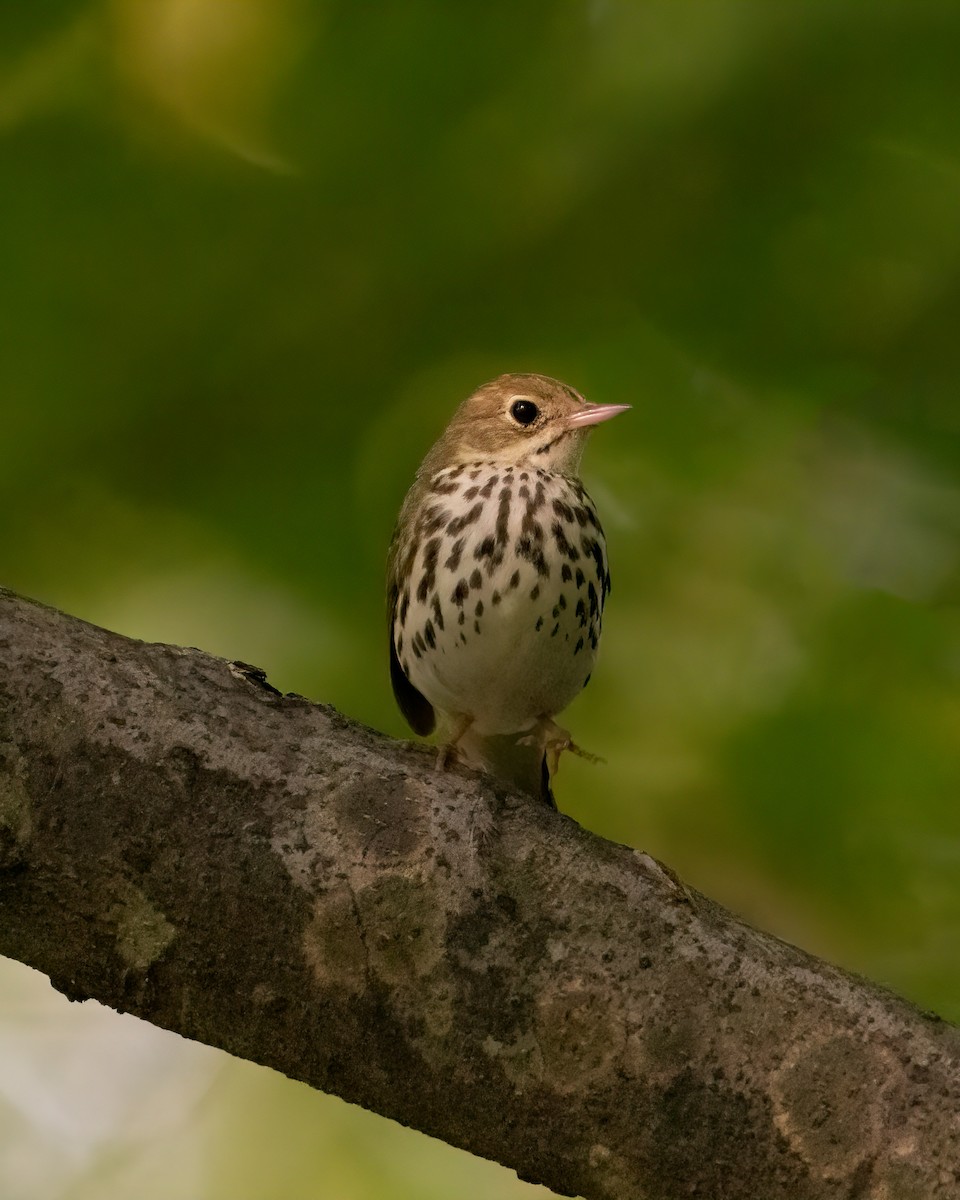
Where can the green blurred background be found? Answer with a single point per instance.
(253, 252)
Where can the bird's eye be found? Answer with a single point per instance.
(524, 412)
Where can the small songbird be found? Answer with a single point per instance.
(497, 577)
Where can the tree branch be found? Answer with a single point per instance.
(180, 841)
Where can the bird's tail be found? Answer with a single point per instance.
(512, 758)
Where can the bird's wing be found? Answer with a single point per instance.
(413, 704)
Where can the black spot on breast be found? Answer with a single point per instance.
(563, 511)
(594, 600)
(476, 579)
(476, 626)
(437, 612)
(478, 611)
(535, 591)
(429, 577)
(454, 560)
(560, 538)
(578, 647)
(459, 524)
(428, 635)
(580, 578)
(592, 549)
(515, 579)
(460, 592)
(487, 490)
(443, 486)
(555, 630)
(399, 645)
(404, 605)
(462, 617)
(581, 611)
(562, 601)
(503, 515)
(496, 597)
(485, 548)
(433, 518)
(470, 492)
(539, 624)
(565, 573)
(531, 527)
(526, 549)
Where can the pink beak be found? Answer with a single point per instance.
(593, 414)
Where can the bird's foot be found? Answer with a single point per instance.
(553, 740)
(449, 753)
(446, 757)
(586, 754)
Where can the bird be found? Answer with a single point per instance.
(497, 578)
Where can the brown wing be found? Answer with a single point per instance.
(413, 704)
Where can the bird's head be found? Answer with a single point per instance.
(522, 420)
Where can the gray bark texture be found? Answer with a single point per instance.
(180, 841)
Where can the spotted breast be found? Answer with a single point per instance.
(500, 618)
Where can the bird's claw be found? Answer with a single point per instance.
(450, 753)
(553, 740)
(447, 755)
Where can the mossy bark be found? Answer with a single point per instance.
(180, 841)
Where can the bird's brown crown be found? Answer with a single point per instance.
(515, 419)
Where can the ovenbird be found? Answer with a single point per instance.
(497, 578)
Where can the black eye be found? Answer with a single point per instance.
(524, 412)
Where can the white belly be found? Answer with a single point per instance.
(502, 620)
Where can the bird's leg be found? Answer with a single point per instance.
(553, 740)
(449, 752)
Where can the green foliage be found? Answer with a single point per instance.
(252, 256)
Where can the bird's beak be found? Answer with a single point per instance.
(593, 414)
